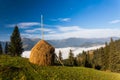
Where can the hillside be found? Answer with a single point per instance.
(18, 68)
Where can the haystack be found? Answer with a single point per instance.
(42, 54)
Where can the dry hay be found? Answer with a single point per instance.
(42, 54)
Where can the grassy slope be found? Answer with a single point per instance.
(20, 69)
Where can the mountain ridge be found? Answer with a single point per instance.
(28, 43)
(70, 42)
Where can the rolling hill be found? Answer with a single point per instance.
(17, 68)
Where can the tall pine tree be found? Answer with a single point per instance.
(88, 62)
(83, 58)
(111, 56)
(79, 59)
(15, 47)
(105, 57)
(6, 48)
(114, 57)
(1, 51)
(71, 58)
(60, 56)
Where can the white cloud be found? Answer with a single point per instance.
(62, 19)
(86, 33)
(25, 24)
(114, 22)
(75, 31)
(71, 28)
(52, 32)
(26, 35)
(37, 30)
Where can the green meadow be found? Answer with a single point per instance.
(17, 68)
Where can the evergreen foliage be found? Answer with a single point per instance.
(60, 56)
(79, 59)
(6, 48)
(105, 58)
(71, 58)
(83, 58)
(108, 58)
(15, 47)
(1, 50)
(88, 62)
(114, 57)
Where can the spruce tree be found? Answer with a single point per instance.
(60, 56)
(108, 58)
(111, 56)
(71, 58)
(105, 57)
(79, 59)
(97, 59)
(102, 58)
(15, 47)
(6, 48)
(1, 51)
(88, 62)
(114, 57)
(83, 58)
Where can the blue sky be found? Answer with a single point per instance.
(62, 18)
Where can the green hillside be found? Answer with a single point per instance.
(17, 68)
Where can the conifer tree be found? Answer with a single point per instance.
(1, 50)
(114, 57)
(15, 47)
(75, 61)
(102, 58)
(97, 59)
(71, 58)
(6, 48)
(79, 59)
(60, 56)
(111, 56)
(83, 58)
(105, 57)
(108, 58)
(88, 62)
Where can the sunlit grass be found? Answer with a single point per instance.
(18, 68)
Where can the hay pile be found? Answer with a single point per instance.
(42, 54)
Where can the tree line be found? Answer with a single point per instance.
(105, 58)
(14, 47)
(108, 57)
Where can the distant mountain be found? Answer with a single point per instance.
(29, 43)
(70, 42)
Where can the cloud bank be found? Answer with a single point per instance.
(62, 32)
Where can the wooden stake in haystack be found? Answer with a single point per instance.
(42, 53)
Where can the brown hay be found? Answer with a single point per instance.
(42, 54)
